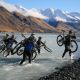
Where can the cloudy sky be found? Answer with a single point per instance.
(66, 5)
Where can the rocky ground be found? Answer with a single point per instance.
(69, 72)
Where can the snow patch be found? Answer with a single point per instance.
(60, 19)
(77, 17)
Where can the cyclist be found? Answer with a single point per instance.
(39, 44)
(10, 42)
(32, 38)
(5, 38)
(67, 43)
(28, 47)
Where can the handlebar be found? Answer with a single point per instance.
(23, 35)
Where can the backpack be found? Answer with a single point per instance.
(67, 40)
(29, 47)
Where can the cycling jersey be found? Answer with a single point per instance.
(29, 47)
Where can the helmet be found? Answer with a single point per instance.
(32, 34)
(7, 34)
(12, 36)
(39, 37)
(70, 32)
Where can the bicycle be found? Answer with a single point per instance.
(20, 49)
(73, 43)
(2, 46)
(6, 51)
(45, 47)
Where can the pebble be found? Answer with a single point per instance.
(69, 72)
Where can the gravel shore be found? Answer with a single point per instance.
(69, 72)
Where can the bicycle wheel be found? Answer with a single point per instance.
(34, 54)
(20, 50)
(6, 52)
(73, 46)
(2, 48)
(60, 40)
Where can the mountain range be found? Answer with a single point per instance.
(15, 22)
(55, 19)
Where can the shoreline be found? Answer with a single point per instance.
(67, 72)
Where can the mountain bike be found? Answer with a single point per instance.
(73, 43)
(2, 45)
(6, 51)
(20, 49)
(45, 47)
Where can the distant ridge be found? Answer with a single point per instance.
(18, 23)
(55, 19)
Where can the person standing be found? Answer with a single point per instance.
(39, 44)
(67, 41)
(10, 41)
(5, 38)
(28, 47)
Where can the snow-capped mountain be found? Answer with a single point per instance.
(47, 14)
(75, 14)
(15, 22)
(35, 13)
(59, 15)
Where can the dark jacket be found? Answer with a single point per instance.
(11, 41)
